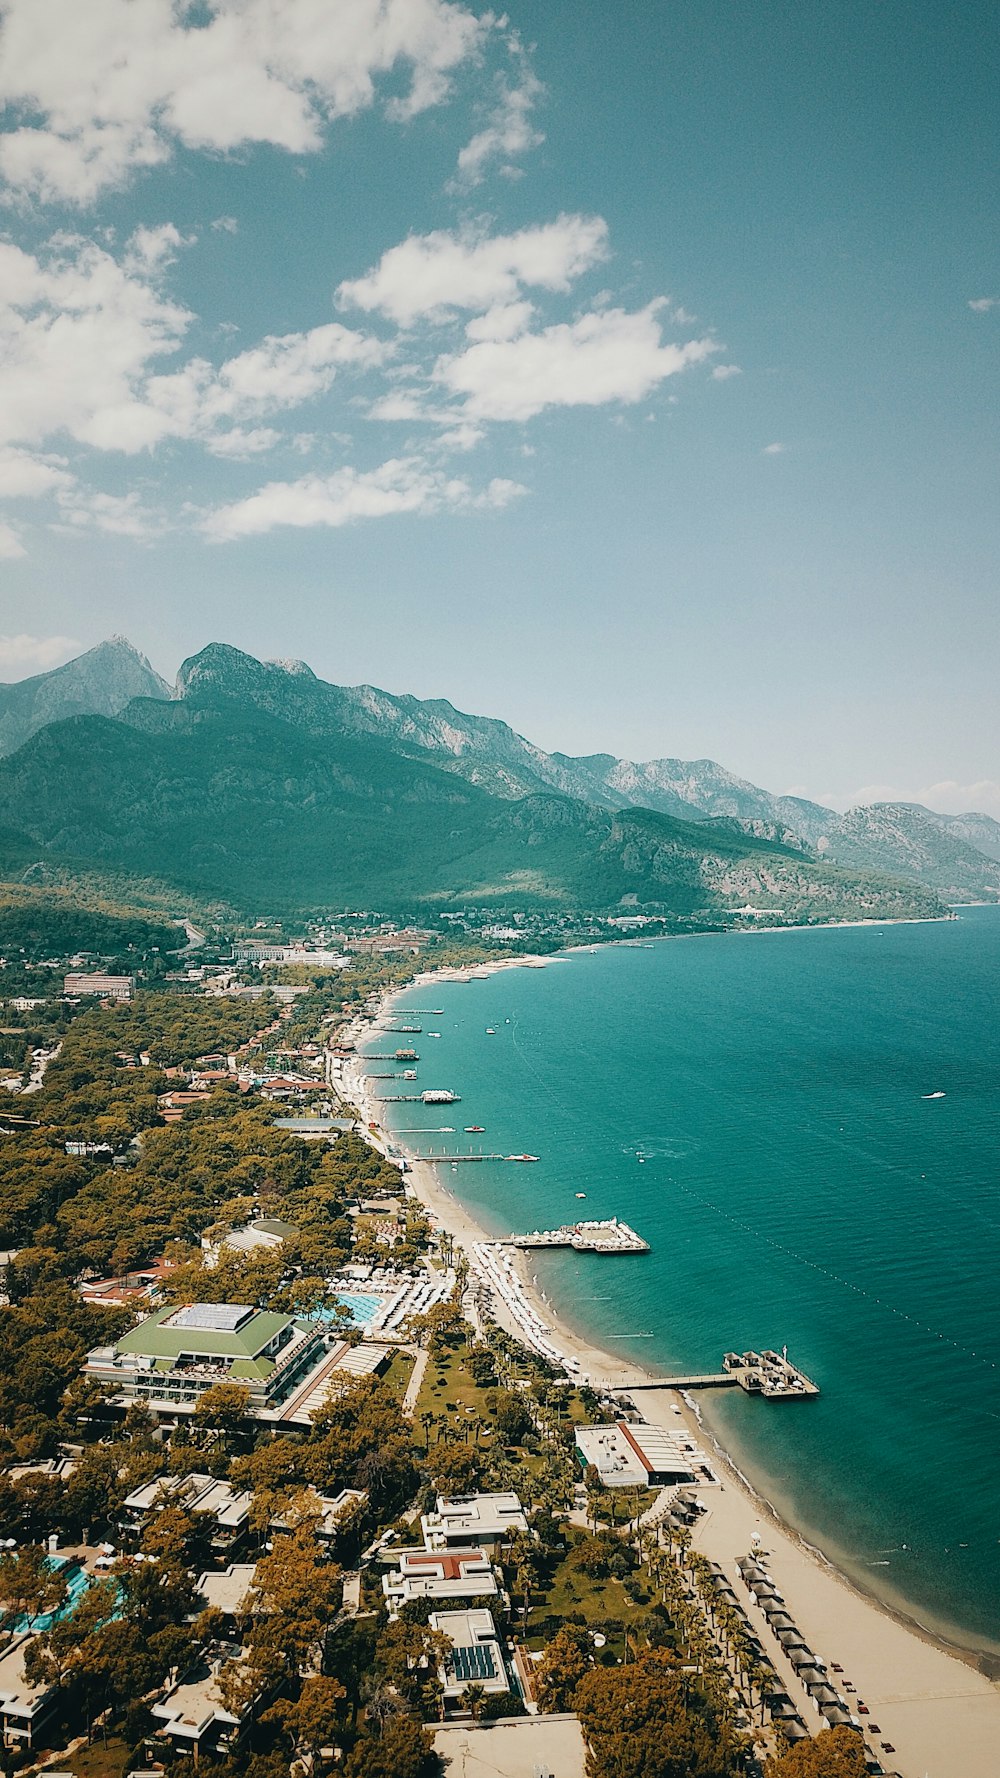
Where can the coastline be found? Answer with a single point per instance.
(923, 1690)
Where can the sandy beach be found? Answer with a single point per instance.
(934, 1708)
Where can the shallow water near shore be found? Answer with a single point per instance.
(797, 1185)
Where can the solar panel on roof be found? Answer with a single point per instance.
(475, 1663)
(212, 1317)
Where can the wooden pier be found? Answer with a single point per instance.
(610, 1236)
(770, 1374)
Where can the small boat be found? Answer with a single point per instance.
(938, 1095)
(490, 1031)
(522, 1157)
(475, 1129)
(581, 1194)
(433, 1033)
(640, 1158)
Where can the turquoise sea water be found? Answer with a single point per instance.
(797, 1187)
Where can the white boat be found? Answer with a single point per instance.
(938, 1095)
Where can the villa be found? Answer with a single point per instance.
(476, 1656)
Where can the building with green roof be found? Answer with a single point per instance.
(173, 1356)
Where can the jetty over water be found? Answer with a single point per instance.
(610, 1236)
(767, 1373)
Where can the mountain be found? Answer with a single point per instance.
(915, 844)
(980, 831)
(217, 796)
(99, 683)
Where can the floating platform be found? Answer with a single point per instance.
(610, 1236)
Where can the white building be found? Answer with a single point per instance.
(635, 1454)
(24, 1709)
(476, 1656)
(192, 1716)
(440, 1574)
(227, 1507)
(481, 1519)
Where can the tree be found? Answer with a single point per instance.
(566, 1661)
(224, 1408)
(401, 1750)
(643, 1721)
(30, 1584)
(313, 1719)
(836, 1753)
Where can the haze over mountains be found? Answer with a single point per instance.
(260, 769)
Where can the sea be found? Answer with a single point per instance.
(805, 1126)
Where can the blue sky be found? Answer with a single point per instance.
(627, 372)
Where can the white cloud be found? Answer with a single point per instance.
(402, 485)
(10, 548)
(283, 371)
(950, 797)
(118, 515)
(23, 655)
(722, 372)
(81, 334)
(78, 332)
(432, 275)
(983, 304)
(111, 86)
(510, 130)
(774, 450)
(612, 356)
(24, 476)
(503, 322)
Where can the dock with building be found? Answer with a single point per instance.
(609, 1236)
(767, 1373)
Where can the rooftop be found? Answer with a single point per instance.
(209, 1330)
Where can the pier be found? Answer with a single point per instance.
(429, 1098)
(610, 1236)
(767, 1373)
(397, 1056)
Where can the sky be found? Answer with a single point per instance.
(627, 372)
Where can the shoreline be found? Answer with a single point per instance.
(924, 1689)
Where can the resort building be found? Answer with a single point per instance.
(476, 1656)
(201, 1495)
(24, 1709)
(229, 1590)
(480, 1519)
(443, 1574)
(633, 1454)
(192, 1717)
(172, 1357)
(106, 987)
(324, 1512)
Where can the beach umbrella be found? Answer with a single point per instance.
(780, 1620)
(794, 1730)
(791, 1638)
(782, 1707)
(835, 1714)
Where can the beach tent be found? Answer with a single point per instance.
(794, 1730)
(820, 1692)
(802, 1657)
(810, 1676)
(780, 1620)
(782, 1707)
(836, 1714)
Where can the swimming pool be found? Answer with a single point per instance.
(363, 1305)
(77, 1582)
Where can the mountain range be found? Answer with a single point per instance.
(253, 779)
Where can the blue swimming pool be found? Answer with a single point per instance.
(77, 1582)
(363, 1306)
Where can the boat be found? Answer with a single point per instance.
(490, 1031)
(522, 1157)
(938, 1095)
(475, 1129)
(433, 1033)
(581, 1194)
(640, 1158)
